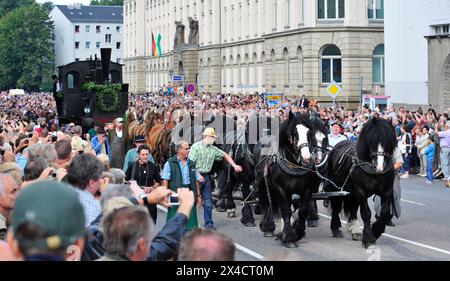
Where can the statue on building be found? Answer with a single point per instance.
(179, 35)
(193, 35)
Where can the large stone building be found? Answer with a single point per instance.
(80, 32)
(290, 46)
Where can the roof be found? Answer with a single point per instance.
(92, 14)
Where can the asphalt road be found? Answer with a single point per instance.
(421, 234)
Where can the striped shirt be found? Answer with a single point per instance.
(204, 156)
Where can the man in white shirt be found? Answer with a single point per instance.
(336, 137)
(118, 140)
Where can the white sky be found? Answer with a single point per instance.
(65, 2)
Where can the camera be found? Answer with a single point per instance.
(174, 200)
(54, 174)
(54, 138)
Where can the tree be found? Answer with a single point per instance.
(7, 6)
(26, 49)
(48, 6)
(107, 2)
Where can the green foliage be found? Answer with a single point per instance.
(48, 6)
(103, 90)
(107, 2)
(7, 6)
(26, 49)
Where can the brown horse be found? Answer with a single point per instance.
(160, 136)
(152, 117)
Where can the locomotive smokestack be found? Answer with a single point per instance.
(106, 59)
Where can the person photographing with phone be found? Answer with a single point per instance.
(179, 172)
(146, 175)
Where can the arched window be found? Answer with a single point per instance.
(378, 65)
(275, 15)
(288, 12)
(272, 59)
(246, 70)
(331, 64)
(238, 70)
(73, 80)
(224, 71)
(300, 64)
(286, 66)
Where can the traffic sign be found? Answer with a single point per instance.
(190, 88)
(334, 90)
(177, 78)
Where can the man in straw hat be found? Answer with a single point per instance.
(203, 154)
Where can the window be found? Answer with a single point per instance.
(275, 16)
(77, 59)
(88, 28)
(97, 45)
(331, 9)
(118, 29)
(331, 64)
(445, 29)
(98, 29)
(77, 28)
(107, 38)
(378, 65)
(77, 45)
(117, 45)
(288, 12)
(376, 9)
(88, 45)
(72, 79)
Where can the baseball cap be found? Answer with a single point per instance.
(210, 132)
(139, 138)
(101, 130)
(119, 119)
(55, 208)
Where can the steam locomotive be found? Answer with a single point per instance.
(82, 106)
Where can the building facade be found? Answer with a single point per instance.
(80, 31)
(418, 52)
(438, 40)
(291, 46)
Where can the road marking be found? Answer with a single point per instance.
(412, 202)
(238, 246)
(403, 240)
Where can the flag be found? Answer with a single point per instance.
(158, 44)
(154, 51)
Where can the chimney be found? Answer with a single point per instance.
(106, 59)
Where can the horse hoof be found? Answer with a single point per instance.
(290, 245)
(337, 234)
(366, 245)
(314, 223)
(231, 215)
(356, 236)
(249, 224)
(269, 234)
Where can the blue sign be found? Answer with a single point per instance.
(273, 99)
(177, 78)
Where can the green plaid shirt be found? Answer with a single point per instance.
(204, 156)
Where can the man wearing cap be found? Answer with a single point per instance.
(132, 155)
(335, 137)
(47, 228)
(118, 141)
(203, 154)
(100, 143)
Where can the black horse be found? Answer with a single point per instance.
(240, 146)
(284, 171)
(363, 170)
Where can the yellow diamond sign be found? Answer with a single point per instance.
(334, 89)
